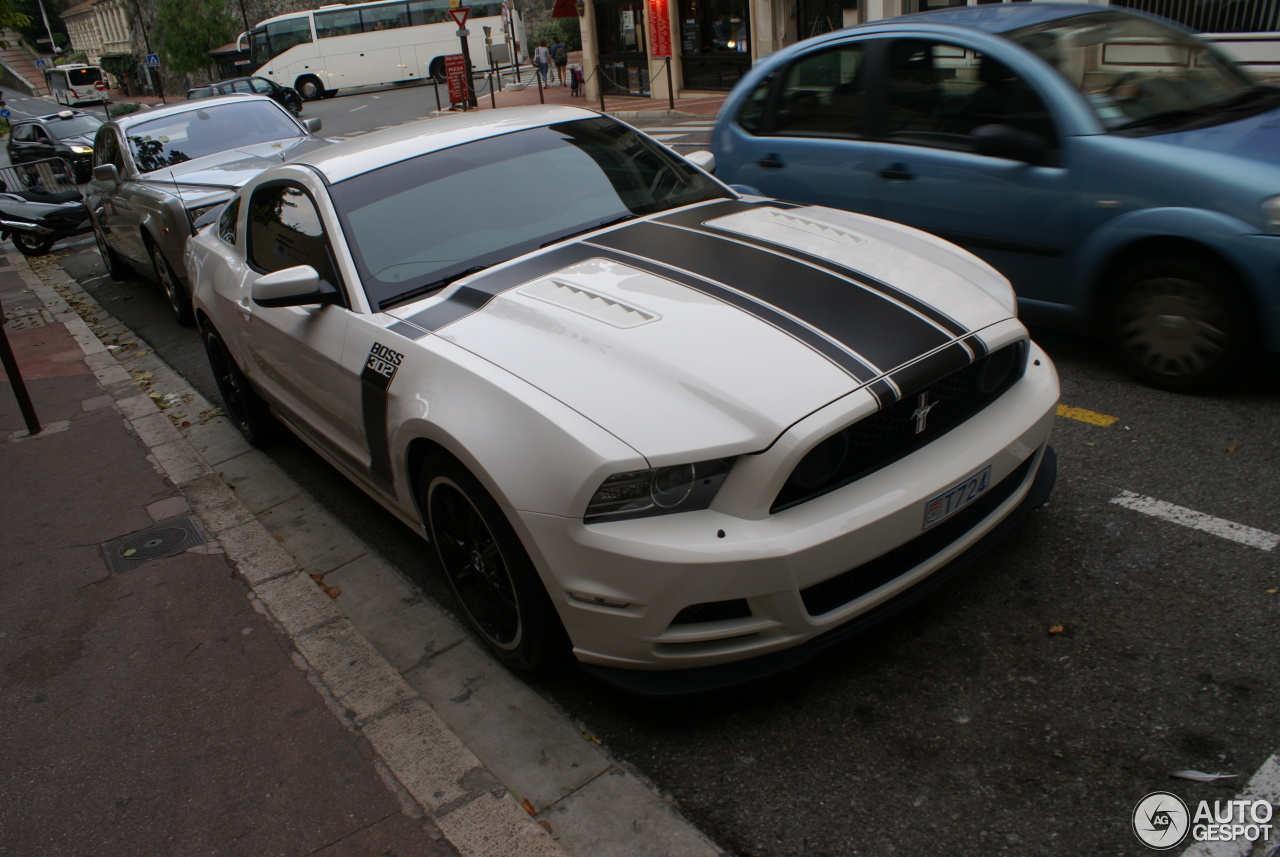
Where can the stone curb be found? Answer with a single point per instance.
(495, 766)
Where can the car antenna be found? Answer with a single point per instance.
(177, 189)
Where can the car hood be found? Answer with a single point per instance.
(712, 329)
(78, 139)
(233, 167)
(1256, 138)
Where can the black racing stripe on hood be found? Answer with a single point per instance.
(859, 370)
(486, 286)
(696, 215)
(976, 345)
(932, 313)
(922, 373)
(883, 333)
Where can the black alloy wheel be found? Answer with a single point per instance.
(489, 571)
(174, 292)
(1180, 324)
(293, 105)
(246, 409)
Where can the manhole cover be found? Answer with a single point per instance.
(163, 539)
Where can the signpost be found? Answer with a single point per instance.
(455, 69)
(459, 16)
(660, 40)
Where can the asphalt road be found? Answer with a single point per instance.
(1025, 709)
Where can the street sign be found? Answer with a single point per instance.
(153, 60)
(40, 64)
(459, 16)
(4, 114)
(100, 85)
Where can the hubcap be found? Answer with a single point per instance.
(1174, 326)
(475, 565)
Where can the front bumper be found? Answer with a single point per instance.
(701, 590)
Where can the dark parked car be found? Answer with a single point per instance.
(155, 173)
(287, 96)
(1121, 172)
(67, 134)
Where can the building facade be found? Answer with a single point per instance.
(653, 47)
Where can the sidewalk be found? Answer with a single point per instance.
(150, 704)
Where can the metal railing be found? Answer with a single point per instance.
(1214, 16)
(53, 175)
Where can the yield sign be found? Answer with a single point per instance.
(459, 15)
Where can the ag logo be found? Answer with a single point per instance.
(1161, 821)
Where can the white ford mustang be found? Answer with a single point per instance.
(694, 436)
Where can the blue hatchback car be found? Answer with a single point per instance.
(1121, 172)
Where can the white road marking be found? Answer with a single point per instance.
(1198, 520)
(361, 107)
(1265, 785)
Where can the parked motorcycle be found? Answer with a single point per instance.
(39, 205)
(35, 218)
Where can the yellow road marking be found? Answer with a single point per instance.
(1085, 416)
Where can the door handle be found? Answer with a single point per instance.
(771, 162)
(897, 173)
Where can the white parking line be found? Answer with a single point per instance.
(1198, 520)
(1265, 785)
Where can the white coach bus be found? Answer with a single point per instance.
(364, 44)
(77, 84)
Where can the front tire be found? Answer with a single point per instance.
(294, 106)
(309, 87)
(489, 571)
(1180, 324)
(115, 266)
(175, 293)
(243, 406)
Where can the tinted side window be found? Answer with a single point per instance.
(260, 86)
(285, 230)
(241, 86)
(822, 94)
(938, 93)
(22, 133)
(228, 220)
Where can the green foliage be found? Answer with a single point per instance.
(68, 59)
(567, 29)
(123, 108)
(188, 29)
(119, 64)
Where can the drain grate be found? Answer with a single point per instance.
(162, 539)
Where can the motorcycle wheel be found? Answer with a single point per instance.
(30, 245)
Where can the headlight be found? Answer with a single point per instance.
(660, 491)
(1271, 215)
(81, 150)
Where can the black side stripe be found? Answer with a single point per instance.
(883, 333)
(932, 313)
(373, 407)
(858, 369)
(486, 287)
(408, 331)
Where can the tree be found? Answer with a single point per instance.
(188, 29)
(12, 18)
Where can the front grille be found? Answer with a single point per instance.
(891, 433)
(843, 588)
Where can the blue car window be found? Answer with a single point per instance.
(823, 95)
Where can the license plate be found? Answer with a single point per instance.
(954, 499)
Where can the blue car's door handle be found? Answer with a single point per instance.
(771, 162)
(896, 172)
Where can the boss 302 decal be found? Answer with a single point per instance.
(379, 371)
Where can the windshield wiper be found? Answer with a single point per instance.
(434, 286)
(1165, 117)
(604, 225)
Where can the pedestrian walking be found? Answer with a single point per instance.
(560, 56)
(542, 59)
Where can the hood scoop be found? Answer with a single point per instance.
(762, 223)
(588, 303)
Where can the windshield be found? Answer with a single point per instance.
(83, 76)
(193, 134)
(76, 126)
(415, 223)
(1132, 69)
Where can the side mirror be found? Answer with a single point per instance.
(312, 124)
(106, 173)
(297, 286)
(1005, 141)
(703, 160)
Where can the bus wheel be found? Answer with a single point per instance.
(437, 72)
(309, 87)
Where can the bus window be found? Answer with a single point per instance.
(341, 22)
(385, 17)
(285, 34)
